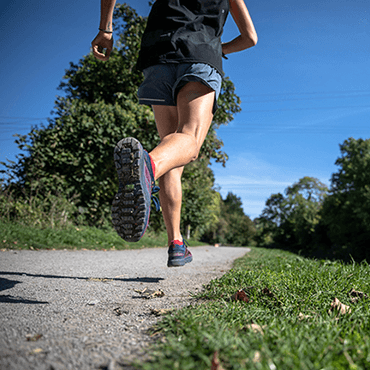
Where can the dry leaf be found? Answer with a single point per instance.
(257, 357)
(215, 365)
(339, 307)
(240, 295)
(148, 293)
(33, 337)
(140, 291)
(103, 280)
(37, 350)
(356, 295)
(120, 311)
(267, 292)
(256, 328)
(159, 312)
(301, 316)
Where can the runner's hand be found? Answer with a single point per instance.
(102, 41)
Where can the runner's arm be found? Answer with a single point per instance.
(248, 35)
(104, 40)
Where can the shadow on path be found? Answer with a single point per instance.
(127, 280)
(8, 284)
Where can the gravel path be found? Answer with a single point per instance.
(84, 310)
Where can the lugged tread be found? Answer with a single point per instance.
(129, 206)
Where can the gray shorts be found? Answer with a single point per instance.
(162, 82)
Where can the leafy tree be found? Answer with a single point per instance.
(291, 220)
(72, 155)
(201, 203)
(240, 228)
(233, 226)
(346, 211)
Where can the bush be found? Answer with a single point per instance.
(39, 209)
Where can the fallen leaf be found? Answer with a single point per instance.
(301, 316)
(159, 312)
(120, 311)
(356, 295)
(215, 365)
(257, 357)
(148, 293)
(256, 328)
(267, 292)
(103, 280)
(33, 337)
(240, 295)
(339, 307)
(140, 291)
(37, 350)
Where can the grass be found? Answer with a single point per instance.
(19, 236)
(286, 324)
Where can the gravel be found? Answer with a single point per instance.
(92, 309)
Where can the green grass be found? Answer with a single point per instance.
(18, 236)
(282, 287)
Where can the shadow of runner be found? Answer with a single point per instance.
(138, 279)
(10, 299)
(8, 284)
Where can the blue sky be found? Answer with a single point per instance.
(305, 87)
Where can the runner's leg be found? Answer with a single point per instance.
(194, 111)
(170, 183)
(180, 127)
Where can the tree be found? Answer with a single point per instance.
(233, 226)
(72, 155)
(201, 203)
(291, 220)
(346, 211)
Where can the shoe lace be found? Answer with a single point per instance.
(185, 242)
(155, 189)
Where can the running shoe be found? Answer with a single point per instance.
(178, 254)
(131, 205)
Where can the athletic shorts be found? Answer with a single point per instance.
(162, 82)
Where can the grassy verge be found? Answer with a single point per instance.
(287, 322)
(18, 236)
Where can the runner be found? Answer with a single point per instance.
(181, 58)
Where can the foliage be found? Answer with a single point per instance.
(20, 234)
(201, 203)
(38, 209)
(285, 324)
(233, 227)
(291, 220)
(346, 211)
(74, 152)
(72, 155)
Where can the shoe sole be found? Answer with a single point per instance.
(179, 262)
(130, 206)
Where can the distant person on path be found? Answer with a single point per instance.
(181, 58)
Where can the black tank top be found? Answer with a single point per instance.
(184, 31)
